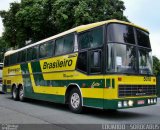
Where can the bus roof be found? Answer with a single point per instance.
(76, 29)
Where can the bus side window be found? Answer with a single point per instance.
(82, 61)
(34, 52)
(46, 50)
(64, 45)
(13, 59)
(91, 39)
(6, 61)
(95, 61)
(29, 54)
(23, 57)
(68, 43)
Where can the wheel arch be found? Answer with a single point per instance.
(68, 90)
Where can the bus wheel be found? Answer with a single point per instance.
(15, 94)
(21, 94)
(75, 102)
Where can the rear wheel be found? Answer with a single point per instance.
(75, 102)
(15, 93)
(21, 94)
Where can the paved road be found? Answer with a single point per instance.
(39, 112)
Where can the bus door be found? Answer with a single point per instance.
(98, 82)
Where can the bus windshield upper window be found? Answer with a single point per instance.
(143, 38)
(120, 33)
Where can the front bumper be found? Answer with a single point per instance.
(129, 103)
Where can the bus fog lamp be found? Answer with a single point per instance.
(155, 100)
(119, 104)
(149, 101)
(130, 103)
(125, 104)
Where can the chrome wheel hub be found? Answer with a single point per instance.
(75, 100)
(14, 92)
(21, 93)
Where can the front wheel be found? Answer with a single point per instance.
(15, 93)
(75, 102)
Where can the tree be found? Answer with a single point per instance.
(38, 19)
(3, 48)
(10, 24)
(156, 65)
(70, 13)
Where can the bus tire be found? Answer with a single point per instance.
(21, 94)
(15, 93)
(75, 101)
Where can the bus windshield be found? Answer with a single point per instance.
(125, 55)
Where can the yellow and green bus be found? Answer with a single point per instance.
(106, 65)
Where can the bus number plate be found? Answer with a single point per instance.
(140, 102)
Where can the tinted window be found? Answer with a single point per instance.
(82, 61)
(84, 40)
(64, 45)
(143, 38)
(34, 52)
(120, 33)
(23, 58)
(59, 46)
(97, 35)
(19, 56)
(13, 59)
(6, 61)
(46, 50)
(93, 38)
(95, 61)
(29, 54)
(68, 43)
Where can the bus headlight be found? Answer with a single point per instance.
(130, 103)
(119, 104)
(125, 103)
(149, 101)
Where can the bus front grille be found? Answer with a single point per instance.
(136, 90)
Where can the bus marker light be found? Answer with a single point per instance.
(119, 104)
(125, 103)
(130, 103)
(140, 102)
(119, 78)
(83, 85)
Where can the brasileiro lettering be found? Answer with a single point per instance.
(57, 64)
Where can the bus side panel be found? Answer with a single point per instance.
(34, 91)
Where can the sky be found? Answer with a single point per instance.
(145, 13)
